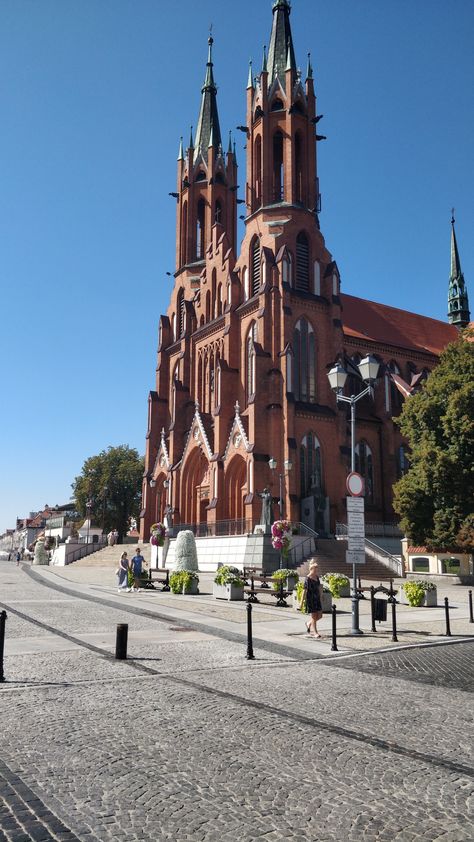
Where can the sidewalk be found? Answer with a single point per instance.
(281, 626)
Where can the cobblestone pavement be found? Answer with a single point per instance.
(187, 740)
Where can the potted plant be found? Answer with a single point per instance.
(419, 592)
(288, 577)
(326, 600)
(228, 583)
(337, 583)
(186, 562)
(281, 536)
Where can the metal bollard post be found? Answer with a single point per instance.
(471, 615)
(250, 656)
(394, 622)
(446, 611)
(372, 606)
(3, 617)
(166, 586)
(121, 642)
(334, 644)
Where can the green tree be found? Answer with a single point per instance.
(434, 498)
(112, 483)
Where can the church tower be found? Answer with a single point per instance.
(458, 303)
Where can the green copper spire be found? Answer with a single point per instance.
(309, 71)
(180, 153)
(229, 148)
(208, 130)
(281, 54)
(250, 78)
(264, 60)
(191, 141)
(458, 302)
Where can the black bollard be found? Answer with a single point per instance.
(471, 615)
(394, 621)
(372, 606)
(334, 644)
(3, 617)
(250, 656)
(121, 642)
(166, 586)
(446, 611)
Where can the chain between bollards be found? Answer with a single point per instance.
(446, 611)
(471, 615)
(3, 617)
(121, 642)
(334, 644)
(250, 656)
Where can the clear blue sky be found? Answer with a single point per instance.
(94, 95)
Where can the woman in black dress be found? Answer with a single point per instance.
(312, 595)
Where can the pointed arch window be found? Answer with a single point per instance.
(278, 168)
(181, 320)
(287, 269)
(258, 171)
(218, 213)
(311, 479)
(298, 167)
(304, 350)
(302, 262)
(255, 266)
(184, 233)
(402, 461)
(364, 465)
(250, 360)
(200, 229)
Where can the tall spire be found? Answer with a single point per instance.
(458, 302)
(281, 53)
(208, 122)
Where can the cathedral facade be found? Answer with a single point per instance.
(242, 400)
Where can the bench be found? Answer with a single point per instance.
(280, 594)
(258, 575)
(161, 576)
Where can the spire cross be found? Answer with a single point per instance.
(452, 216)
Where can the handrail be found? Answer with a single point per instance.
(372, 549)
(384, 530)
(85, 550)
(237, 526)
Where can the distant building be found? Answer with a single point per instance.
(249, 335)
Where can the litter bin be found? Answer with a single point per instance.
(380, 610)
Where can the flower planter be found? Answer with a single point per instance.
(291, 582)
(229, 592)
(193, 588)
(326, 602)
(430, 599)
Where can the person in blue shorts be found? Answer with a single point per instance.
(137, 567)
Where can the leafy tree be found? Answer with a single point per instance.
(112, 483)
(434, 498)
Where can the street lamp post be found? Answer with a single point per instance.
(88, 516)
(287, 468)
(337, 376)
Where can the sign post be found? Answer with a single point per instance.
(355, 553)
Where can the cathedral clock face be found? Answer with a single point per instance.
(237, 439)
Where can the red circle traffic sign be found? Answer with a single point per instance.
(355, 484)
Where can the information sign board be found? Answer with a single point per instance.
(355, 504)
(356, 542)
(355, 557)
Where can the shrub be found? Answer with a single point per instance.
(227, 575)
(180, 581)
(415, 591)
(185, 552)
(335, 582)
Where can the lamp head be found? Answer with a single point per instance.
(272, 463)
(337, 377)
(369, 368)
(152, 483)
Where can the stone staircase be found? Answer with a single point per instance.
(331, 558)
(110, 556)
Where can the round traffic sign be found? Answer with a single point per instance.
(355, 484)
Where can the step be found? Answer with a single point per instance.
(110, 556)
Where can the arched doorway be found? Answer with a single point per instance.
(235, 482)
(195, 487)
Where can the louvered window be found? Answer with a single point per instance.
(255, 266)
(304, 350)
(311, 479)
(302, 263)
(182, 314)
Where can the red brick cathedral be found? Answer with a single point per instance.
(250, 334)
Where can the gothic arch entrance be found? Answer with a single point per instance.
(195, 488)
(236, 487)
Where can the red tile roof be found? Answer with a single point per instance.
(374, 322)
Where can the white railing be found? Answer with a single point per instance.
(389, 561)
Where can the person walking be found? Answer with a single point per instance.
(137, 566)
(123, 573)
(18, 557)
(312, 595)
